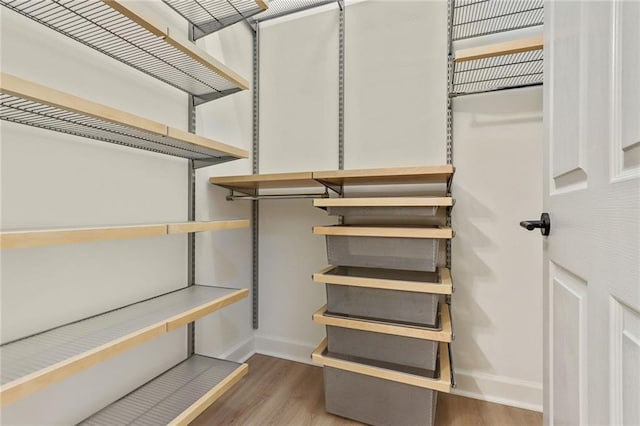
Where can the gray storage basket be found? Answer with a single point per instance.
(394, 352)
(377, 401)
(417, 254)
(402, 211)
(381, 304)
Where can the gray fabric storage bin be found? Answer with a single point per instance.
(415, 254)
(395, 352)
(377, 401)
(381, 304)
(382, 211)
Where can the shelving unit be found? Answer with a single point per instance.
(175, 397)
(122, 32)
(499, 66)
(49, 237)
(32, 104)
(208, 16)
(35, 362)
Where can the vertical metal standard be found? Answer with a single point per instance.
(341, 86)
(255, 205)
(191, 237)
(450, 70)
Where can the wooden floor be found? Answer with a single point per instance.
(280, 392)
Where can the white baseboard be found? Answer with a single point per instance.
(499, 389)
(284, 348)
(241, 352)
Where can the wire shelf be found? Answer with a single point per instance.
(473, 18)
(209, 16)
(126, 35)
(35, 362)
(278, 8)
(175, 397)
(500, 72)
(34, 105)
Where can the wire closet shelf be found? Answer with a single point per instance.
(117, 31)
(510, 68)
(279, 8)
(209, 16)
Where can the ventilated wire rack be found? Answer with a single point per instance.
(208, 16)
(136, 43)
(33, 113)
(498, 73)
(473, 18)
(278, 8)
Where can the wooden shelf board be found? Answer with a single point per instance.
(445, 334)
(401, 175)
(114, 125)
(500, 49)
(440, 384)
(266, 181)
(217, 225)
(31, 364)
(384, 231)
(51, 237)
(443, 287)
(175, 397)
(384, 202)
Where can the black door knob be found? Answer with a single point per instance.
(544, 224)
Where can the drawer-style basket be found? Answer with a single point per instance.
(418, 254)
(382, 211)
(403, 307)
(396, 352)
(377, 401)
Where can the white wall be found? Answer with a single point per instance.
(50, 179)
(497, 306)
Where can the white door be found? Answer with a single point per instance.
(592, 194)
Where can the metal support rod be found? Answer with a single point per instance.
(255, 208)
(341, 86)
(191, 237)
(277, 197)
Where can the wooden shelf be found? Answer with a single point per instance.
(176, 397)
(35, 105)
(51, 237)
(36, 362)
(250, 184)
(121, 31)
(384, 202)
(413, 281)
(500, 49)
(444, 334)
(209, 17)
(384, 231)
(397, 176)
(218, 225)
(441, 384)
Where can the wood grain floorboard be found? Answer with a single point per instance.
(281, 392)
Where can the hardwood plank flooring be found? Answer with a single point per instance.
(281, 392)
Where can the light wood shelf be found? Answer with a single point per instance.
(444, 334)
(28, 103)
(384, 202)
(125, 32)
(384, 231)
(441, 384)
(31, 364)
(372, 278)
(500, 49)
(176, 397)
(398, 176)
(50, 237)
(249, 184)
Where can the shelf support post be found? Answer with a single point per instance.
(191, 191)
(255, 204)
